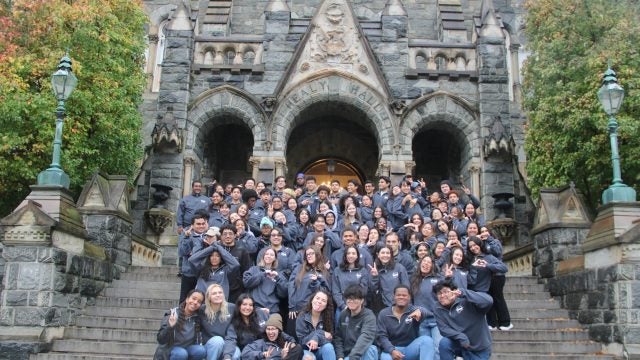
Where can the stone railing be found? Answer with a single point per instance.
(433, 59)
(144, 252)
(520, 261)
(234, 55)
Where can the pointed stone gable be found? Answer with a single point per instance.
(561, 207)
(27, 225)
(335, 43)
(105, 192)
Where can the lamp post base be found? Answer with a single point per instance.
(54, 176)
(618, 193)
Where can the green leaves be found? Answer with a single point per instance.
(101, 129)
(567, 140)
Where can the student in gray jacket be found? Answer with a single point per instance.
(179, 334)
(216, 265)
(275, 344)
(349, 272)
(385, 276)
(356, 328)
(461, 319)
(399, 327)
(265, 284)
(215, 319)
(189, 243)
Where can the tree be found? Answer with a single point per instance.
(571, 42)
(106, 42)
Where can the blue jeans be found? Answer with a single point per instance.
(324, 352)
(371, 354)
(420, 349)
(214, 348)
(429, 328)
(193, 352)
(449, 349)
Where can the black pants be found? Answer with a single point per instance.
(187, 283)
(499, 313)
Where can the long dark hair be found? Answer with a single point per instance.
(418, 276)
(327, 313)
(182, 317)
(465, 261)
(345, 264)
(253, 326)
(305, 267)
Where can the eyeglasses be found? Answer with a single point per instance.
(354, 300)
(310, 254)
(276, 235)
(444, 292)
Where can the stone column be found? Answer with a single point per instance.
(474, 177)
(187, 175)
(281, 167)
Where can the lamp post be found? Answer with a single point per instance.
(63, 82)
(610, 96)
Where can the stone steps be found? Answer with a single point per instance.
(123, 322)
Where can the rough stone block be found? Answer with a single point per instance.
(34, 276)
(602, 333)
(52, 255)
(29, 316)
(20, 254)
(19, 350)
(16, 298)
(590, 316)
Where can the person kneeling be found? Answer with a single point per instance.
(460, 315)
(399, 327)
(275, 344)
(356, 328)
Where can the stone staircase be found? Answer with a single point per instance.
(124, 320)
(541, 329)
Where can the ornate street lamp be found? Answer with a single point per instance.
(610, 96)
(63, 81)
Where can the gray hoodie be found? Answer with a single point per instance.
(465, 321)
(354, 334)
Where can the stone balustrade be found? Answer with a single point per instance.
(433, 59)
(520, 261)
(226, 54)
(144, 253)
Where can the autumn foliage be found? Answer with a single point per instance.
(571, 42)
(106, 43)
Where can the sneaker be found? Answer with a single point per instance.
(179, 274)
(506, 328)
(492, 328)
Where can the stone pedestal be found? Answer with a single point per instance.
(104, 205)
(51, 272)
(561, 225)
(601, 285)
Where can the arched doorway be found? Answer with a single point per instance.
(227, 149)
(327, 169)
(437, 153)
(332, 133)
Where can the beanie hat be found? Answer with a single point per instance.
(266, 222)
(274, 320)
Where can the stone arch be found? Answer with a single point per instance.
(334, 88)
(447, 112)
(221, 106)
(157, 16)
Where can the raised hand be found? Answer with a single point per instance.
(373, 270)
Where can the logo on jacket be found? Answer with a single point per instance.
(459, 309)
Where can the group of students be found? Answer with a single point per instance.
(353, 275)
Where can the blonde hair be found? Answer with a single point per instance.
(223, 312)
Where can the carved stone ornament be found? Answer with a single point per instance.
(499, 142)
(268, 103)
(158, 219)
(335, 43)
(167, 138)
(398, 107)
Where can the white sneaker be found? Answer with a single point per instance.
(506, 328)
(492, 328)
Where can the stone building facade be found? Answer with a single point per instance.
(262, 88)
